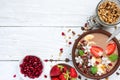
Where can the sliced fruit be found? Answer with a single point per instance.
(89, 37)
(65, 69)
(55, 79)
(55, 71)
(94, 70)
(113, 57)
(62, 76)
(73, 73)
(96, 51)
(110, 48)
(81, 52)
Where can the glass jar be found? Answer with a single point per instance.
(107, 14)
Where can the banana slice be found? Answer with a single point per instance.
(89, 37)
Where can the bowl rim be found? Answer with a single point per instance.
(102, 32)
(22, 75)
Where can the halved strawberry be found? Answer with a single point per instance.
(62, 76)
(55, 71)
(65, 69)
(96, 51)
(73, 73)
(55, 79)
(110, 48)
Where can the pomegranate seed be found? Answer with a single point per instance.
(46, 60)
(63, 34)
(70, 43)
(61, 50)
(110, 64)
(45, 76)
(85, 71)
(90, 57)
(14, 76)
(97, 62)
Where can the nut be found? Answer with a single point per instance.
(109, 12)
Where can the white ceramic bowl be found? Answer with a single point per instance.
(27, 78)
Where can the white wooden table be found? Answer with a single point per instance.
(35, 26)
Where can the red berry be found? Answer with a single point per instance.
(73, 73)
(55, 79)
(97, 62)
(110, 64)
(55, 71)
(63, 34)
(62, 77)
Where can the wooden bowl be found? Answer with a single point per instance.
(75, 46)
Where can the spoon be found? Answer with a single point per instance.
(116, 32)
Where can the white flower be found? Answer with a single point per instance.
(87, 48)
(79, 60)
(105, 61)
(91, 62)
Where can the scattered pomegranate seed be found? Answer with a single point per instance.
(63, 34)
(14, 76)
(45, 76)
(90, 57)
(61, 50)
(46, 60)
(110, 64)
(70, 43)
(97, 62)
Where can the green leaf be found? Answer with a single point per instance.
(113, 57)
(81, 52)
(94, 69)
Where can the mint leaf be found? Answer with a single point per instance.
(94, 70)
(113, 57)
(81, 52)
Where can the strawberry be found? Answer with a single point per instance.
(62, 76)
(110, 48)
(73, 73)
(55, 79)
(65, 69)
(96, 51)
(55, 71)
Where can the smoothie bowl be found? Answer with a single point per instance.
(95, 58)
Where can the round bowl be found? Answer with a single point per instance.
(75, 47)
(26, 77)
(65, 69)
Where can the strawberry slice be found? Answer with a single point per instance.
(55, 71)
(73, 73)
(96, 51)
(110, 48)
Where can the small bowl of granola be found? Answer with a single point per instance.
(95, 58)
(108, 12)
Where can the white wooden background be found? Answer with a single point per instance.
(35, 26)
